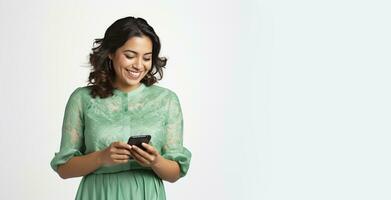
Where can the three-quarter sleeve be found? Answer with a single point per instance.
(72, 139)
(173, 148)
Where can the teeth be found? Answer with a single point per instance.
(132, 71)
(133, 74)
(136, 74)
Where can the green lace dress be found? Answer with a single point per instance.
(92, 124)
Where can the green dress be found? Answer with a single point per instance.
(92, 124)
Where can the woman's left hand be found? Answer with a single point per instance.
(148, 158)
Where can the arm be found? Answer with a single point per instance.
(167, 170)
(175, 159)
(80, 165)
(72, 137)
(70, 161)
(173, 150)
(117, 153)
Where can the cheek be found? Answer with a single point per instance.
(123, 62)
(148, 66)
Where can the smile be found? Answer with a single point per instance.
(133, 74)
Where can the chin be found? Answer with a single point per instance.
(131, 82)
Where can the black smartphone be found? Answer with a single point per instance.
(138, 139)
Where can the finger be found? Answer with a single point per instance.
(122, 151)
(139, 158)
(121, 161)
(114, 150)
(119, 157)
(144, 154)
(123, 145)
(150, 149)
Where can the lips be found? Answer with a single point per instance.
(133, 74)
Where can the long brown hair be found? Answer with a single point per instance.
(102, 75)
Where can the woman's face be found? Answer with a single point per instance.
(131, 62)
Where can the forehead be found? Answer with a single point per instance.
(140, 45)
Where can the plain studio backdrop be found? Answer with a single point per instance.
(281, 99)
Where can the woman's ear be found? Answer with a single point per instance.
(110, 56)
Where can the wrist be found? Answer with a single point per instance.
(158, 162)
(98, 158)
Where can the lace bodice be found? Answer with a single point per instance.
(92, 124)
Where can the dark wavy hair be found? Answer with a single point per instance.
(102, 76)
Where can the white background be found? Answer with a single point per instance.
(282, 99)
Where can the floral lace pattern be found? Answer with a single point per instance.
(92, 124)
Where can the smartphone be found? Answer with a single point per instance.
(138, 139)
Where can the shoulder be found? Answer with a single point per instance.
(80, 93)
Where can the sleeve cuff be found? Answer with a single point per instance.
(182, 157)
(63, 157)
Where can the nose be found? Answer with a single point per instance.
(138, 64)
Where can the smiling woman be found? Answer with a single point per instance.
(132, 62)
(120, 101)
(129, 44)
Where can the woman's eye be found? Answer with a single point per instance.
(131, 57)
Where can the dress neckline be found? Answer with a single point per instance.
(131, 93)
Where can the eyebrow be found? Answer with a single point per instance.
(136, 52)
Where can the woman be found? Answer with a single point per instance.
(120, 101)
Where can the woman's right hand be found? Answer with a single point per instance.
(116, 153)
